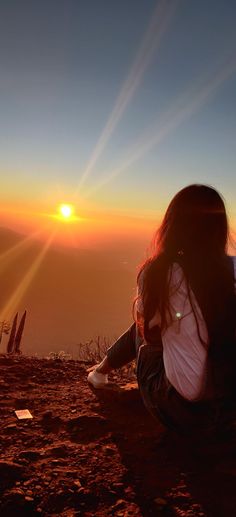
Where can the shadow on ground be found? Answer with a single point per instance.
(171, 475)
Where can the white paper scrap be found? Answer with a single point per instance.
(23, 414)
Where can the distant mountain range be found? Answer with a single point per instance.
(75, 294)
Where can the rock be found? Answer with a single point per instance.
(77, 484)
(159, 501)
(17, 491)
(58, 452)
(27, 483)
(10, 472)
(109, 451)
(10, 427)
(120, 503)
(30, 455)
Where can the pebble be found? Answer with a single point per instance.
(159, 501)
(77, 484)
(109, 450)
(28, 482)
(119, 502)
(18, 491)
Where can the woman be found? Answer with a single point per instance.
(184, 335)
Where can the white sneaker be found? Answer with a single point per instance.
(98, 380)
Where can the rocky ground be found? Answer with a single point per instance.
(89, 452)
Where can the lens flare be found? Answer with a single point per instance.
(20, 290)
(188, 103)
(156, 30)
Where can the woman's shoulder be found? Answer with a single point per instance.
(156, 263)
(233, 258)
(141, 276)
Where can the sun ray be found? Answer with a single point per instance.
(185, 106)
(11, 253)
(158, 26)
(14, 300)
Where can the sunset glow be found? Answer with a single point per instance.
(66, 211)
(108, 110)
(104, 152)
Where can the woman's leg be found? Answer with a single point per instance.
(122, 352)
(164, 402)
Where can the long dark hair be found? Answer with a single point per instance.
(193, 233)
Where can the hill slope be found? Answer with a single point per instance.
(74, 296)
(89, 453)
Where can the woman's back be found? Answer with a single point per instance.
(186, 340)
(188, 290)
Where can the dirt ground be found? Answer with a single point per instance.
(88, 452)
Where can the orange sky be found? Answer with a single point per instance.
(86, 229)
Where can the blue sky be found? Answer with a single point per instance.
(63, 64)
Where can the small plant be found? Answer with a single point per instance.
(63, 356)
(18, 336)
(14, 342)
(93, 350)
(4, 328)
(11, 341)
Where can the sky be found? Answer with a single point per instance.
(113, 106)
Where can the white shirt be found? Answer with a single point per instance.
(184, 354)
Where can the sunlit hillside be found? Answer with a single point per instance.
(74, 295)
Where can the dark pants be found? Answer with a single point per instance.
(158, 395)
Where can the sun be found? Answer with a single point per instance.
(66, 211)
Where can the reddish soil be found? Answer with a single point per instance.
(90, 452)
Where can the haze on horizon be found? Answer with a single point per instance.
(110, 107)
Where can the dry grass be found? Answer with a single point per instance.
(92, 352)
(95, 350)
